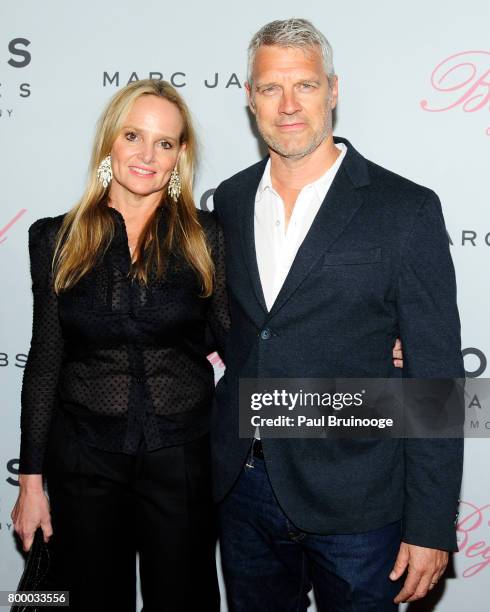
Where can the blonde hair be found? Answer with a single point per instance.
(88, 228)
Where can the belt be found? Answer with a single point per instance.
(257, 450)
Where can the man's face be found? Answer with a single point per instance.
(291, 99)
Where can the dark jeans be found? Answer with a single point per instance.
(106, 506)
(270, 565)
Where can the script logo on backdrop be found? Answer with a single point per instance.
(15, 87)
(474, 537)
(461, 81)
(177, 79)
(6, 228)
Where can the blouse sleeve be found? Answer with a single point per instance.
(41, 374)
(218, 312)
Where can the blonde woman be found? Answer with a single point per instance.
(117, 389)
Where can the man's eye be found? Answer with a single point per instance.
(306, 86)
(131, 136)
(270, 89)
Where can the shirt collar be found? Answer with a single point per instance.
(319, 187)
(265, 182)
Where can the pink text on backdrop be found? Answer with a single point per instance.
(464, 81)
(10, 224)
(215, 360)
(471, 543)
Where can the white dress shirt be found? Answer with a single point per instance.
(275, 247)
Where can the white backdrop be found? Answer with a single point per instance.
(414, 97)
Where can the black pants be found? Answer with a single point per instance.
(106, 506)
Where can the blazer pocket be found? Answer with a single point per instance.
(364, 256)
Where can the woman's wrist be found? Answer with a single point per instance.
(31, 482)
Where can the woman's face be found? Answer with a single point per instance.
(146, 150)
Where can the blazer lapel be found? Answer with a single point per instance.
(339, 206)
(246, 205)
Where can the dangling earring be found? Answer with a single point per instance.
(174, 186)
(104, 171)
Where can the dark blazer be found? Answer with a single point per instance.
(374, 266)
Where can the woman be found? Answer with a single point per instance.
(117, 388)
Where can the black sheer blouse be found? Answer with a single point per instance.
(128, 361)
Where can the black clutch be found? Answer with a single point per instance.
(35, 571)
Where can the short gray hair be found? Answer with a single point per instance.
(292, 32)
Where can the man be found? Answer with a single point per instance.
(329, 258)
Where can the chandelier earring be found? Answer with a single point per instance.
(104, 171)
(174, 185)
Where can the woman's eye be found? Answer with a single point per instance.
(165, 144)
(131, 136)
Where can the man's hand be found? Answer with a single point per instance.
(398, 354)
(425, 568)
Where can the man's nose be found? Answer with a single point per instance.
(289, 103)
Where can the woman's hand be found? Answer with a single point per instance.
(398, 354)
(31, 510)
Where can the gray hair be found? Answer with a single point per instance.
(292, 32)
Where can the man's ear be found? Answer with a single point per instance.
(248, 89)
(334, 87)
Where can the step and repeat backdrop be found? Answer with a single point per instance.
(414, 97)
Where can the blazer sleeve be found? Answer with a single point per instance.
(219, 204)
(430, 332)
(41, 373)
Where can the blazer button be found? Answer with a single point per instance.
(265, 334)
